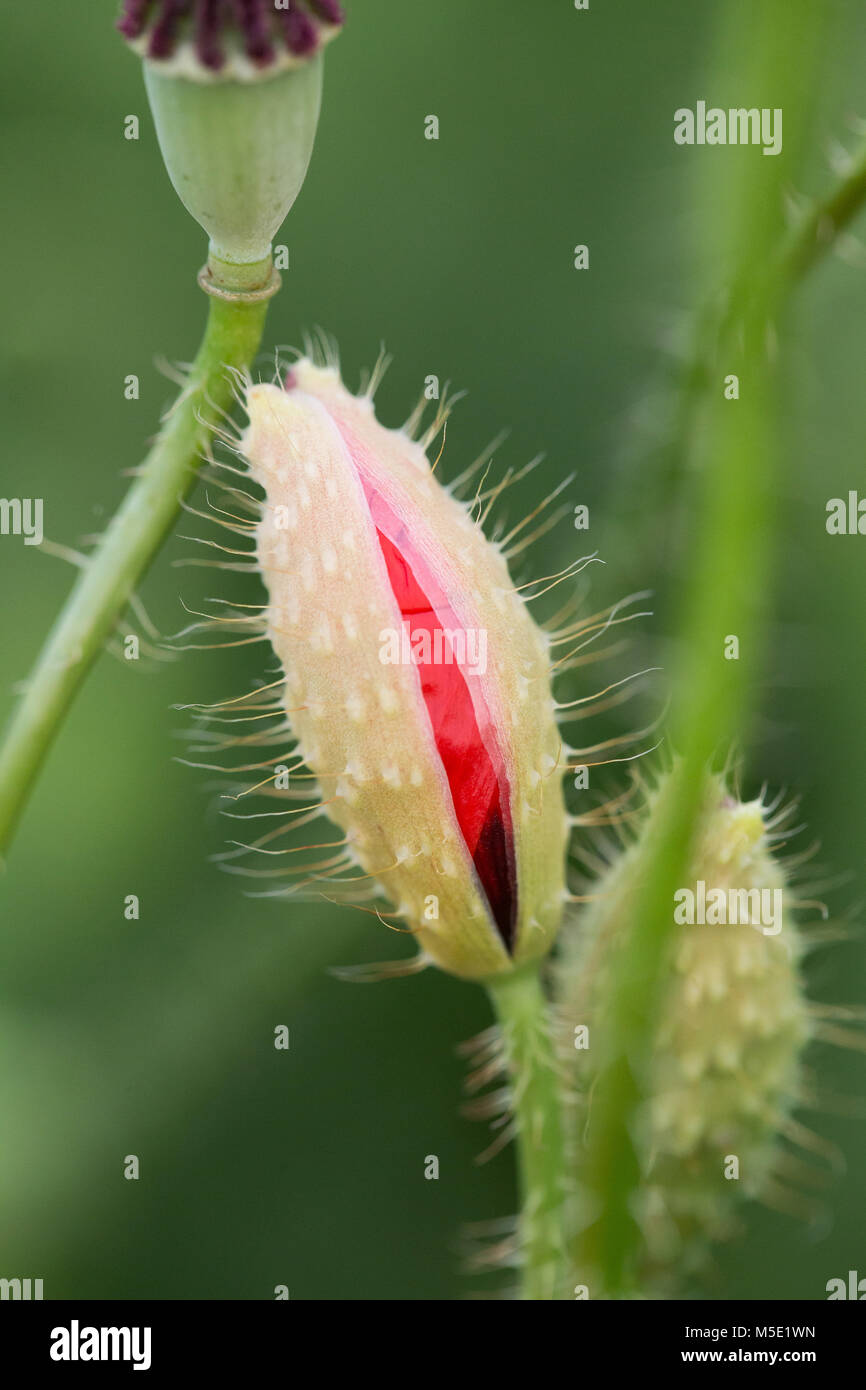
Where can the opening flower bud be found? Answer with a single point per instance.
(417, 684)
(235, 89)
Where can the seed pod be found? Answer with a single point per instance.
(417, 683)
(235, 89)
(731, 1023)
(241, 39)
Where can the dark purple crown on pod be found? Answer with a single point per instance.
(266, 28)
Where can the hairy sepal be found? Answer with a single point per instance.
(362, 724)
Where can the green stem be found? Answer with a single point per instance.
(106, 584)
(733, 450)
(523, 1013)
(818, 230)
(812, 238)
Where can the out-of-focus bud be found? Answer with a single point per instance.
(235, 89)
(417, 684)
(724, 1064)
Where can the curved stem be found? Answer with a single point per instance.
(523, 1014)
(231, 339)
(725, 584)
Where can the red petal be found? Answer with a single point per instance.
(480, 796)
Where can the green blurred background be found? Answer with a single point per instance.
(155, 1037)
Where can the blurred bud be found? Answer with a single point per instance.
(235, 89)
(724, 1065)
(417, 684)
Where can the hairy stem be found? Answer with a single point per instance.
(237, 309)
(523, 1013)
(725, 582)
(826, 220)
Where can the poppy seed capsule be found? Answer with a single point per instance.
(417, 684)
(245, 39)
(235, 88)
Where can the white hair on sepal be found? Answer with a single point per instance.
(371, 381)
(444, 407)
(280, 366)
(322, 349)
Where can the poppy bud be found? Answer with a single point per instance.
(417, 684)
(724, 1065)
